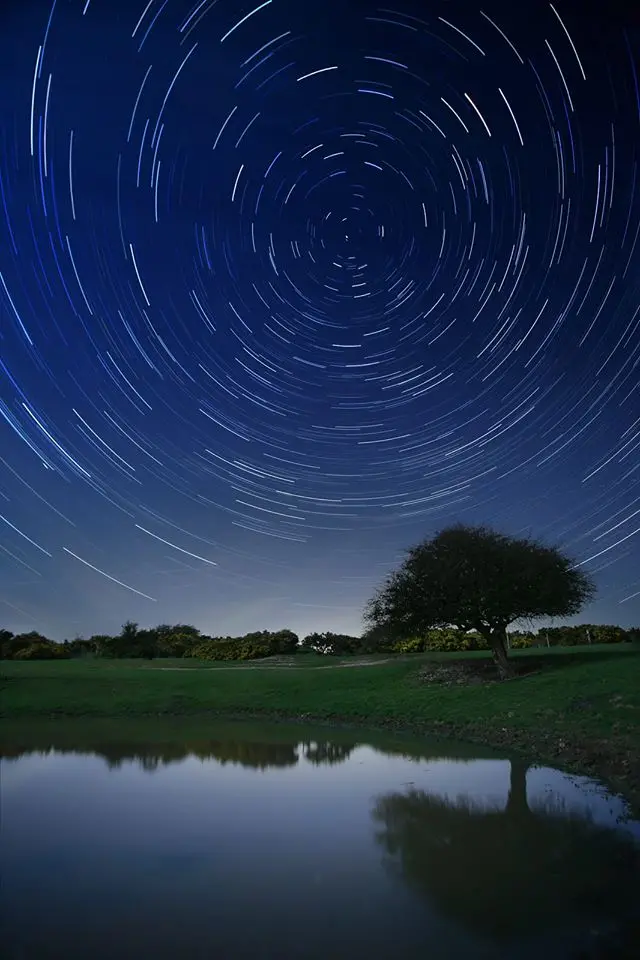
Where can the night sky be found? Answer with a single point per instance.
(286, 287)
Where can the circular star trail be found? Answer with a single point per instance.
(285, 287)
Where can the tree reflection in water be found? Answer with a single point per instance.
(504, 873)
(501, 873)
(245, 753)
(326, 752)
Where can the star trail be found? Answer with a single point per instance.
(285, 287)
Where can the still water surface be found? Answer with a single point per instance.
(171, 840)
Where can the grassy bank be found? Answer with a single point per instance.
(577, 708)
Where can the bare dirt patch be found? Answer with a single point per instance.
(470, 672)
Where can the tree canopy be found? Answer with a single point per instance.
(475, 578)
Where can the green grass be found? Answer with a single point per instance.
(311, 660)
(385, 691)
(580, 708)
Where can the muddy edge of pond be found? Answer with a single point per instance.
(618, 769)
(616, 766)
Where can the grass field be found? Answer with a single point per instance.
(579, 707)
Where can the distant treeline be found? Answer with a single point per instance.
(179, 640)
(184, 640)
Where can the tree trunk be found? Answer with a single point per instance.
(517, 804)
(498, 641)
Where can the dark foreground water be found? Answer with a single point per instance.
(162, 840)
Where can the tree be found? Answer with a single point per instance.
(332, 644)
(475, 578)
(283, 641)
(509, 873)
(145, 644)
(129, 632)
(79, 647)
(134, 642)
(102, 644)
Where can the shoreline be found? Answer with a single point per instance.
(617, 770)
(576, 710)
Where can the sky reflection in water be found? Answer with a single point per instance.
(243, 841)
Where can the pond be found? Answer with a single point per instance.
(172, 839)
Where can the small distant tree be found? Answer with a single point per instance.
(79, 647)
(129, 631)
(145, 645)
(284, 641)
(125, 644)
(131, 640)
(475, 578)
(332, 644)
(102, 645)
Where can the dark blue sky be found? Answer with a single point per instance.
(286, 287)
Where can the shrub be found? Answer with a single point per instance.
(451, 640)
(253, 646)
(42, 650)
(521, 640)
(410, 645)
(578, 634)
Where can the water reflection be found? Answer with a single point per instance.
(242, 746)
(504, 872)
(151, 757)
(326, 752)
(168, 835)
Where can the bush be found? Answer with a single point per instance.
(409, 645)
(584, 633)
(452, 640)
(30, 646)
(253, 646)
(42, 650)
(521, 640)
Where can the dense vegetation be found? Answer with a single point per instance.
(183, 640)
(179, 640)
